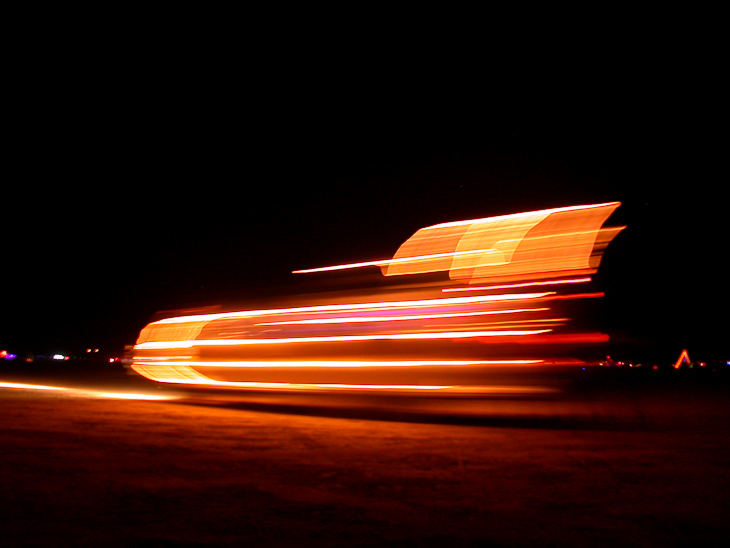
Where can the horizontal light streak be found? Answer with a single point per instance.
(570, 296)
(22, 386)
(85, 393)
(516, 285)
(205, 381)
(336, 338)
(517, 216)
(163, 358)
(132, 396)
(188, 376)
(339, 363)
(381, 305)
(387, 262)
(365, 319)
(285, 386)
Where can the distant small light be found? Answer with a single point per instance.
(59, 357)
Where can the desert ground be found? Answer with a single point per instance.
(642, 463)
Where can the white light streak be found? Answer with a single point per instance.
(366, 319)
(382, 305)
(387, 262)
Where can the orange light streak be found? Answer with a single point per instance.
(85, 393)
(552, 240)
(386, 262)
(522, 216)
(181, 376)
(516, 285)
(337, 338)
(532, 243)
(196, 378)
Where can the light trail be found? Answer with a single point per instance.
(373, 306)
(523, 216)
(504, 245)
(553, 247)
(337, 338)
(365, 319)
(22, 386)
(387, 262)
(79, 392)
(194, 377)
(200, 379)
(517, 285)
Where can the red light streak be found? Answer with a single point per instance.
(595, 295)
(343, 363)
(517, 285)
(568, 338)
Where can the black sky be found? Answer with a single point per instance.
(136, 189)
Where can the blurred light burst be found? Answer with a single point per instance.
(498, 302)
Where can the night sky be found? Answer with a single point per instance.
(130, 195)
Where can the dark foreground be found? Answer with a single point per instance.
(644, 463)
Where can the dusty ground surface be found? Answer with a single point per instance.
(631, 468)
